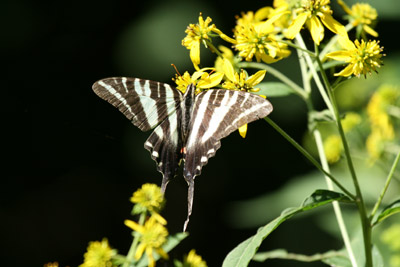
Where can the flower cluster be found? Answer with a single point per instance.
(150, 237)
(385, 99)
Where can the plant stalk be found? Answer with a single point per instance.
(388, 179)
(131, 253)
(365, 222)
(309, 157)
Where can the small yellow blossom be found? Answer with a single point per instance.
(350, 121)
(153, 236)
(240, 81)
(201, 79)
(315, 14)
(361, 57)
(333, 148)
(382, 129)
(200, 32)
(362, 16)
(148, 198)
(194, 260)
(259, 39)
(99, 254)
(375, 145)
(377, 109)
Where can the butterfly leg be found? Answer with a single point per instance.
(190, 201)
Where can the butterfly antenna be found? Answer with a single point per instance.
(176, 69)
(190, 201)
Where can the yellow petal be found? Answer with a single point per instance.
(340, 55)
(162, 253)
(195, 54)
(333, 25)
(345, 7)
(212, 81)
(229, 71)
(370, 31)
(296, 25)
(150, 258)
(139, 251)
(134, 226)
(256, 78)
(316, 30)
(346, 71)
(263, 13)
(243, 130)
(346, 43)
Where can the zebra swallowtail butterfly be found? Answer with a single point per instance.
(187, 126)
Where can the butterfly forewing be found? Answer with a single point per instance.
(149, 104)
(145, 103)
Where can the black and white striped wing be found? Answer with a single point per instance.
(145, 103)
(148, 104)
(216, 114)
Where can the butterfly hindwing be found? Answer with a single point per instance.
(216, 114)
(165, 146)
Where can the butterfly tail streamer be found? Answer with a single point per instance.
(190, 201)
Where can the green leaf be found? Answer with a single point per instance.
(283, 254)
(274, 89)
(389, 210)
(172, 242)
(244, 252)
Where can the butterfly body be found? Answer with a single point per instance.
(187, 126)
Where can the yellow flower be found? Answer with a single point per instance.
(362, 16)
(240, 81)
(377, 109)
(315, 14)
(197, 33)
(153, 236)
(259, 38)
(350, 120)
(194, 260)
(362, 58)
(375, 145)
(148, 198)
(333, 148)
(201, 79)
(382, 129)
(99, 254)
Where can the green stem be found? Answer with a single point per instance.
(325, 165)
(365, 222)
(317, 80)
(130, 257)
(309, 157)
(388, 179)
(335, 204)
(279, 75)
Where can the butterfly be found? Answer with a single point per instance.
(186, 126)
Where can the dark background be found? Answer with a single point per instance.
(72, 161)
